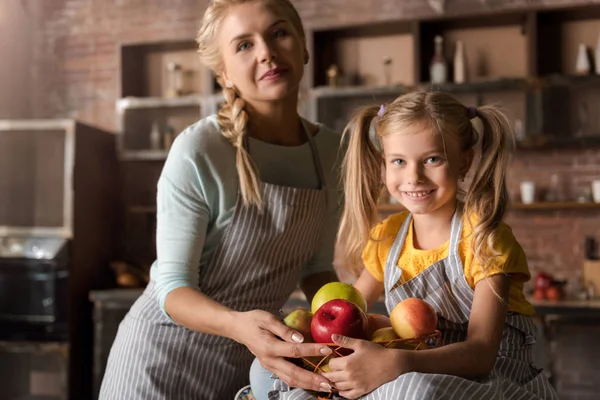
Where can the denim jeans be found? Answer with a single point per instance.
(260, 380)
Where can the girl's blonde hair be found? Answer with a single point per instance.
(232, 116)
(363, 165)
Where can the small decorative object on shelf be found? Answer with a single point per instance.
(168, 138)
(437, 5)
(438, 68)
(387, 70)
(597, 56)
(460, 67)
(174, 80)
(155, 142)
(582, 67)
(333, 75)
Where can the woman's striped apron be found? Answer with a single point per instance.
(256, 266)
(443, 285)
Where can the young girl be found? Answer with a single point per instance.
(248, 209)
(449, 248)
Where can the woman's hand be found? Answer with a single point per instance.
(261, 331)
(370, 366)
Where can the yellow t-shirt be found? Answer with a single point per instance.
(414, 261)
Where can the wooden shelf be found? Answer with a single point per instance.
(495, 85)
(143, 155)
(555, 206)
(519, 206)
(129, 103)
(357, 91)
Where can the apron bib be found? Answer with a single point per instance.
(443, 285)
(257, 265)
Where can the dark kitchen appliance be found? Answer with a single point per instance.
(58, 201)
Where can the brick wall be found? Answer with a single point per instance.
(70, 68)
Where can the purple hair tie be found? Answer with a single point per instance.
(471, 112)
(381, 111)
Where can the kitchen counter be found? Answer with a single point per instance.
(567, 308)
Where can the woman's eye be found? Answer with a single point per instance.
(243, 46)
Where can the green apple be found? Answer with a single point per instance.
(299, 320)
(338, 290)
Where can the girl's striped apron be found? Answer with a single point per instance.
(256, 266)
(443, 285)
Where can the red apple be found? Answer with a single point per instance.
(413, 318)
(375, 322)
(340, 317)
(299, 320)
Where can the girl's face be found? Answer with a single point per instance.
(263, 55)
(421, 171)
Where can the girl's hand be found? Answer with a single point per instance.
(261, 331)
(370, 366)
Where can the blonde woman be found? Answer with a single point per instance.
(248, 208)
(450, 248)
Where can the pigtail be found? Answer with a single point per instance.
(488, 196)
(361, 173)
(233, 120)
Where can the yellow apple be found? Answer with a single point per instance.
(300, 320)
(338, 290)
(384, 335)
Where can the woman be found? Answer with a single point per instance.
(248, 207)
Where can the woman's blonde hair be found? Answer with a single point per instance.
(232, 116)
(363, 165)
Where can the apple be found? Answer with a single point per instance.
(375, 322)
(338, 316)
(299, 320)
(338, 290)
(384, 335)
(413, 318)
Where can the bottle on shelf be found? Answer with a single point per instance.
(582, 67)
(438, 69)
(155, 139)
(460, 67)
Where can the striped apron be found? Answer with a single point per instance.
(257, 265)
(443, 285)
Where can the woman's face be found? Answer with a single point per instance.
(263, 55)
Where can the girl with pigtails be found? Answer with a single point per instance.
(450, 247)
(248, 207)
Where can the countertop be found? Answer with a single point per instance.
(567, 308)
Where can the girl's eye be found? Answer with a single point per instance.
(279, 33)
(398, 161)
(434, 159)
(243, 46)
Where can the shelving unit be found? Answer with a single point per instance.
(523, 60)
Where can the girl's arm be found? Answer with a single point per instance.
(476, 356)
(372, 365)
(370, 287)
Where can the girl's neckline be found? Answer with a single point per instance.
(410, 244)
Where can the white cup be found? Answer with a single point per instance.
(527, 192)
(596, 190)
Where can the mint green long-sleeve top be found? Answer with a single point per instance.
(198, 189)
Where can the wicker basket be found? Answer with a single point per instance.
(316, 364)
